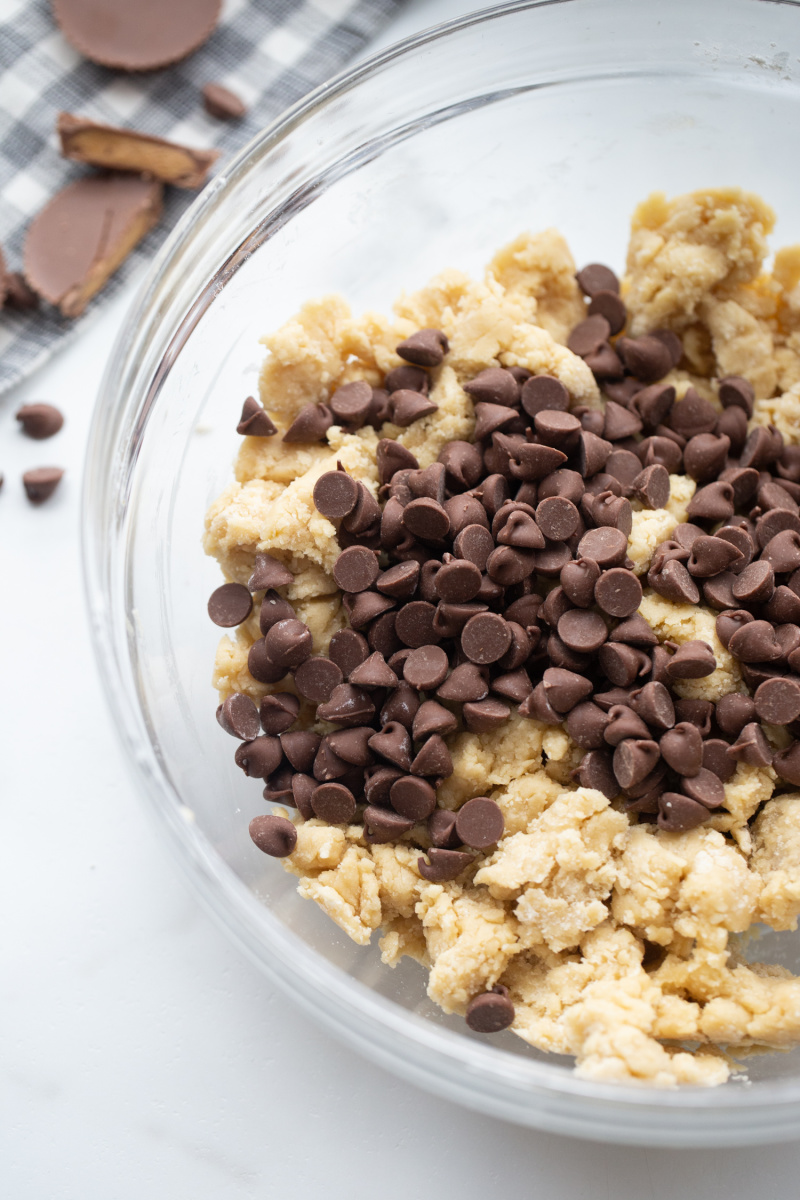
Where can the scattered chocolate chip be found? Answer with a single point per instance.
(608, 304)
(373, 672)
(751, 747)
(348, 650)
(777, 701)
(485, 638)
(735, 390)
(413, 797)
(678, 813)
(268, 573)
(310, 425)
(238, 716)
(544, 392)
(414, 624)
(596, 771)
(682, 748)
(432, 718)
(589, 336)
(288, 643)
(348, 705)
(222, 103)
(260, 757)
(634, 759)
(335, 494)
(495, 385)
(787, 764)
(39, 421)
(692, 660)
(491, 1011)
(316, 678)
(254, 421)
(278, 711)
(596, 278)
(333, 803)
(41, 482)
(230, 604)
(618, 592)
(443, 865)
(582, 630)
(426, 348)
(276, 836)
(479, 823)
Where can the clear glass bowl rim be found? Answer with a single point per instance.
(525, 1091)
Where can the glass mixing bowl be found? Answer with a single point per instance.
(431, 154)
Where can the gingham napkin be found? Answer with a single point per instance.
(270, 52)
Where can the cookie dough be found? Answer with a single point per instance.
(617, 941)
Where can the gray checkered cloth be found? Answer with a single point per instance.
(270, 52)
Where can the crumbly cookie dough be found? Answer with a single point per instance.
(617, 941)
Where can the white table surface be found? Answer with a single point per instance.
(142, 1055)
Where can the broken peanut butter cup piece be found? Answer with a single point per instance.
(86, 231)
(117, 149)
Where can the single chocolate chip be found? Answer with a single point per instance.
(607, 547)
(714, 502)
(556, 517)
(718, 591)
(356, 569)
(654, 705)
(413, 797)
(596, 278)
(618, 592)
(381, 825)
(348, 650)
(596, 771)
(426, 668)
(495, 385)
(334, 803)
(391, 456)
(485, 638)
(433, 759)
(414, 624)
(288, 643)
(705, 787)
(755, 585)
(623, 665)
(373, 672)
(491, 1011)
(463, 465)
(565, 689)
(559, 429)
(633, 760)
(586, 724)
(624, 723)
(335, 494)
(222, 103)
(465, 683)
(408, 407)
(634, 631)
(485, 715)
(678, 813)
(393, 743)
(608, 304)
(41, 482)
(762, 448)
(301, 748)
(578, 579)
(254, 421)
(413, 379)
(351, 745)
(426, 519)
(704, 456)
(544, 392)
(310, 425)
(674, 582)
(426, 348)
(327, 764)
(783, 607)
(432, 718)
(238, 716)
(692, 660)
(653, 404)
(302, 787)
(230, 604)
(348, 705)
(645, 357)
(278, 711)
(458, 582)
(589, 336)
(772, 495)
(682, 748)
(443, 865)
(479, 823)
(269, 573)
(350, 404)
(40, 421)
(660, 451)
(624, 466)
(582, 630)
(787, 764)
(782, 552)
(521, 531)
(751, 747)
(774, 522)
(692, 415)
(514, 685)
(260, 757)
(717, 760)
(711, 556)
(276, 836)
(399, 582)
(274, 608)
(733, 712)
(777, 701)
(735, 390)
(491, 417)
(316, 678)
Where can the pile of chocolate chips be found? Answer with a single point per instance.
(498, 577)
